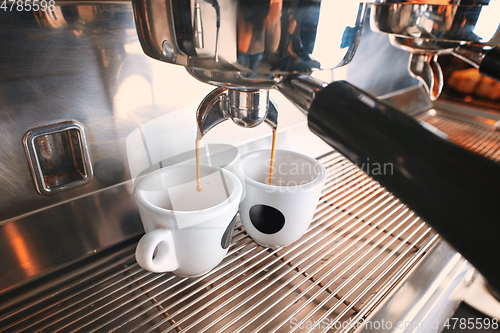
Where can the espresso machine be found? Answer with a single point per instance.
(80, 77)
(432, 175)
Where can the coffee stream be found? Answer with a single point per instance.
(271, 169)
(198, 181)
(273, 150)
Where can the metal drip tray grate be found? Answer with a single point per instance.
(483, 140)
(361, 243)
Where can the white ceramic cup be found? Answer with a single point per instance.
(187, 232)
(279, 214)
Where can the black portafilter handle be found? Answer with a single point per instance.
(454, 190)
(490, 65)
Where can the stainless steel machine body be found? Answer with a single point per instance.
(67, 261)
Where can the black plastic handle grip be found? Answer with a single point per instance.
(490, 65)
(456, 191)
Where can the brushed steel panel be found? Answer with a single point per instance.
(54, 237)
(60, 72)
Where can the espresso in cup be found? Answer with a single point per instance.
(188, 232)
(278, 214)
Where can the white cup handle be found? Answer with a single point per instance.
(165, 259)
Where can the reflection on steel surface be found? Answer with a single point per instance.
(429, 297)
(24, 251)
(445, 22)
(249, 44)
(55, 237)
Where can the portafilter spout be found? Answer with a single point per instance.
(246, 108)
(426, 69)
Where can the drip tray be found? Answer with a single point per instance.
(361, 243)
(482, 139)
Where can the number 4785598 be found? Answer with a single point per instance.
(471, 323)
(27, 5)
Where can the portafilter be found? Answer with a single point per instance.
(245, 47)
